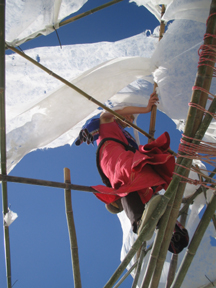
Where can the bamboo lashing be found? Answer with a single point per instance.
(154, 107)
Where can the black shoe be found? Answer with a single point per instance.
(180, 239)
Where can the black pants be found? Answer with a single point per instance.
(133, 208)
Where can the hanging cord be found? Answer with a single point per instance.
(58, 37)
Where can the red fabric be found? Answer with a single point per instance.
(149, 166)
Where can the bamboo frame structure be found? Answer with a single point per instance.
(164, 240)
(170, 199)
(3, 139)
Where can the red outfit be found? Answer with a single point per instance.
(150, 166)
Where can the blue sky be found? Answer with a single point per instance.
(40, 252)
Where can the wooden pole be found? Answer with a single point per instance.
(3, 139)
(154, 107)
(72, 232)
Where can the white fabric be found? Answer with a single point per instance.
(29, 18)
(9, 217)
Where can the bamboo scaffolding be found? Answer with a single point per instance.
(154, 107)
(176, 205)
(3, 140)
(189, 129)
(174, 185)
(90, 98)
(72, 232)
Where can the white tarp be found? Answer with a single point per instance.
(27, 19)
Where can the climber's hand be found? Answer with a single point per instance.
(152, 101)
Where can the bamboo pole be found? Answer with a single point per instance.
(72, 232)
(90, 98)
(194, 244)
(72, 19)
(3, 140)
(7, 178)
(154, 107)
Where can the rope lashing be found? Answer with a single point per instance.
(205, 91)
(202, 109)
(197, 106)
(209, 17)
(203, 151)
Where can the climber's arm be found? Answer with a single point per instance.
(107, 117)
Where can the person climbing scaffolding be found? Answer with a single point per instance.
(132, 174)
